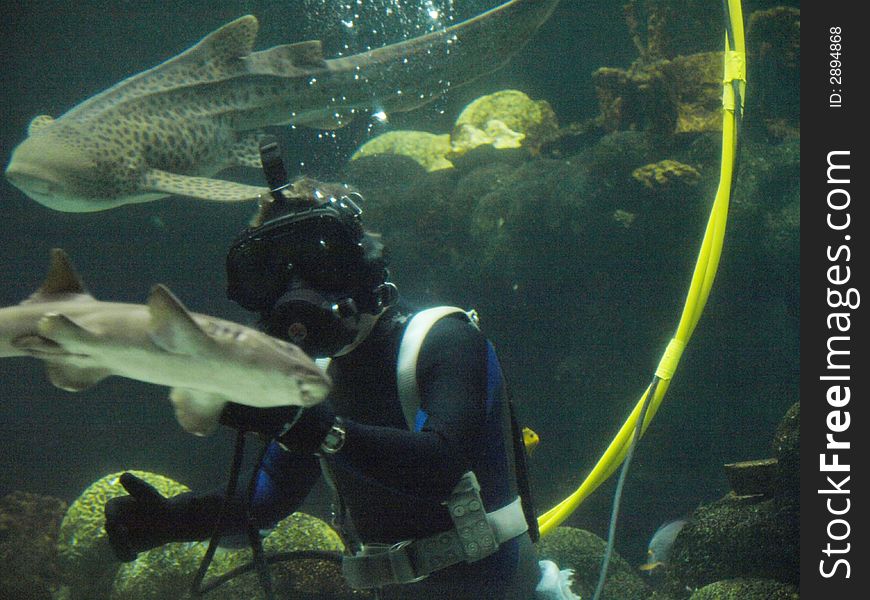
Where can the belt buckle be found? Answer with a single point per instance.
(401, 565)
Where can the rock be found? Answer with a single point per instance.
(773, 44)
(581, 550)
(665, 96)
(787, 449)
(694, 85)
(666, 173)
(746, 589)
(28, 536)
(736, 537)
(752, 477)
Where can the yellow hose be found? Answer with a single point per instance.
(699, 289)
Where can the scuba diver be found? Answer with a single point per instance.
(417, 438)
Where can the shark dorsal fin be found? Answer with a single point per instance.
(172, 326)
(227, 43)
(39, 122)
(216, 56)
(61, 280)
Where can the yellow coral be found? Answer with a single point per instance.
(665, 172)
(166, 572)
(83, 547)
(427, 149)
(505, 119)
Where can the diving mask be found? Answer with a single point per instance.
(322, 244)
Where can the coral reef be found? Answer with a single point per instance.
(667, 96)
(28, 538)
(167, 571)
(503, 120)
(426, 149)
(693, 83)
(745, 536)
(86, 559)
(666, 172)
(676, 87)
(581, 550)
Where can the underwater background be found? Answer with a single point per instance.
(577, 262)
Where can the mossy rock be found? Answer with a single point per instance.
(168, 571)
(581, 550)
(666, 173)
(85, 557)
(694, 83)
(426, 149)
(736, 537)
(28, 541)
(746, 589)
(680, 95)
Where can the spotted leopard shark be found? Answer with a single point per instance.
(170, 129)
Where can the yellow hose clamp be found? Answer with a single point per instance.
(735, 70)
(670, 359)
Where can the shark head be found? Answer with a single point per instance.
(56, 171)
(53, 173)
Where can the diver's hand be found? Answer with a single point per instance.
(296, 429)
(267, 421)
(137, 522)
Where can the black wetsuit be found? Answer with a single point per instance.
(393, 481)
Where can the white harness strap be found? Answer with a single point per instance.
(409, 351)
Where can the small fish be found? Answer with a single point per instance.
(660, 545)
(530, 440)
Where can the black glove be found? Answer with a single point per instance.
(145, 519)
(266, 421)
(297, 429)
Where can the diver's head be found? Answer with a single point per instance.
(316, 277)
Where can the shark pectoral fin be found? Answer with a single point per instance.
(37, 345)
(197, 412)
(74, 379)
(200, 187)
(72, 337)
(172, 327)
(39, 122)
